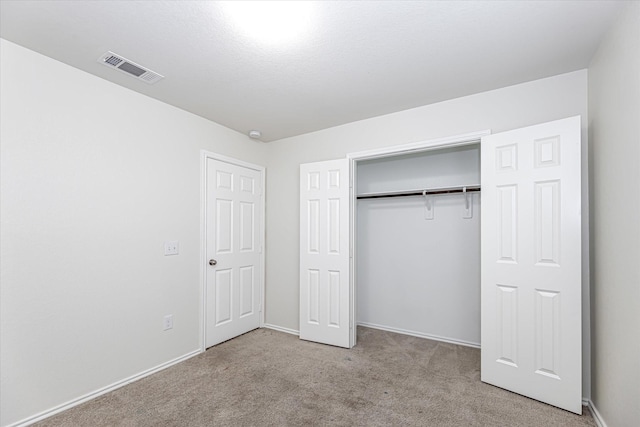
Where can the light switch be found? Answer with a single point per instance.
(171, 247)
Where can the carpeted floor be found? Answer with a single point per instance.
(268, 378)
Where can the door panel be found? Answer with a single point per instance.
(324, 253)
(531, 262)
(233, 228)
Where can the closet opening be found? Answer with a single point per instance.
(416, 241)
(412, 260)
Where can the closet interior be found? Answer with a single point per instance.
(418, 244)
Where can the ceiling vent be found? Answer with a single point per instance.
(113, 60)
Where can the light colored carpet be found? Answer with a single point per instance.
(268, 378)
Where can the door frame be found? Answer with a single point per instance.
(204, 157)
(395, 150)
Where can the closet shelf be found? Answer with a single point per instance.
(426, 191)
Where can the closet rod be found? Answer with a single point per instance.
(447, 190)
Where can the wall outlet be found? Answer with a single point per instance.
(167, 322)
(171, 247)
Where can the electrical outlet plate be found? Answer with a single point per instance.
(171, 247)
(167, 322)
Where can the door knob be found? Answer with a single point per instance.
(212, 262)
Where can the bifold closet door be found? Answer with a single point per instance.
(324, 253)
(531, 262)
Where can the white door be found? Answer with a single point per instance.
(531, 262)
(233, 248)
(324, 253)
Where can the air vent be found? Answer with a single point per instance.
(116, 61)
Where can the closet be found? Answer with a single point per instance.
(418, 244)
(390, 238)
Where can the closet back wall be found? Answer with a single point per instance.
(416, 275)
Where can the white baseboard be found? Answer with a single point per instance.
(420, 335)
(281, 329)
(596, 415)
(89, 396)
(388, 329)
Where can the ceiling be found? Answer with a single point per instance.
(355, 60)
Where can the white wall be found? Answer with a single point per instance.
(94, 179)
(503, 109)
(614, 112)
(415, 275)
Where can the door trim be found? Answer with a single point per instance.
(209, 155)
(395, 150)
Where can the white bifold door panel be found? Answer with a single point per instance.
(531, 262)
(324, 253)
(233, 247)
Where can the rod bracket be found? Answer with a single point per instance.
(428, 206)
